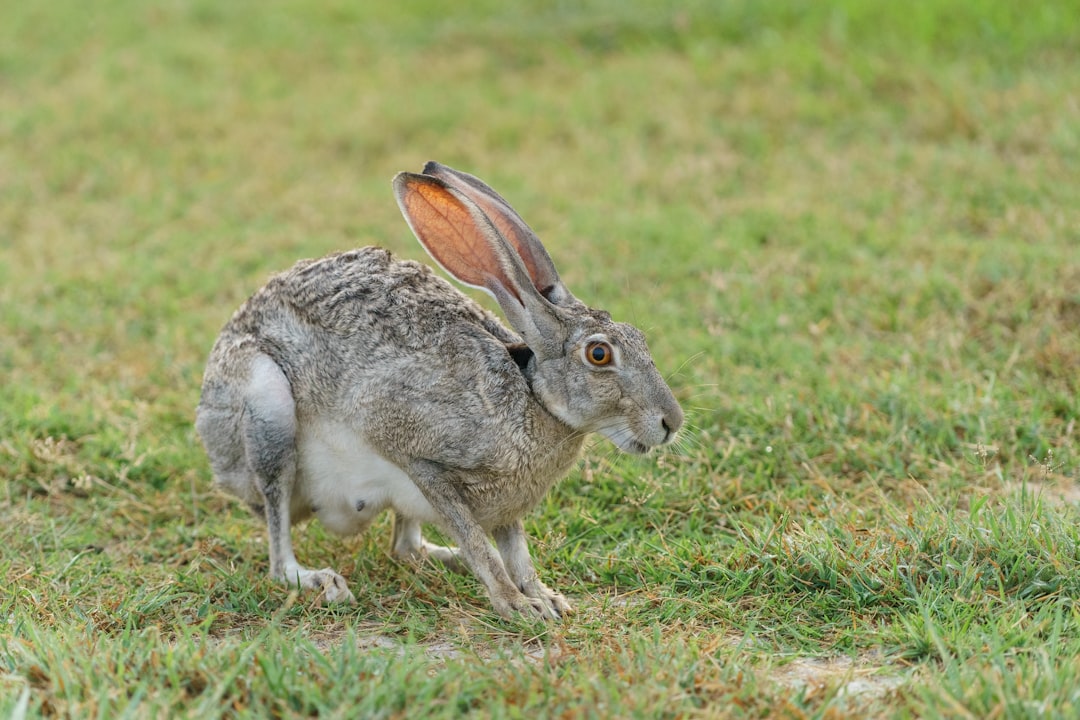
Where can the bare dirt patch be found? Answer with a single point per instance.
(861, 679)
(1054, 488)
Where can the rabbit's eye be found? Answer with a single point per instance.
(599, 353)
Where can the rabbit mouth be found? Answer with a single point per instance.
(628, 444)
(625, 439)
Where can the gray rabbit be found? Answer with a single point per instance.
(356, 383)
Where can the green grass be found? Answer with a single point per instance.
(850, 230)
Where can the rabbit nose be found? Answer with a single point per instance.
(671, 420)
(668, 431)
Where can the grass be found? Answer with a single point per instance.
(850, 231)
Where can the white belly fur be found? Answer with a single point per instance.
(338, 472)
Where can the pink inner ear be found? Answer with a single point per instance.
(538, 265)
(458, 237)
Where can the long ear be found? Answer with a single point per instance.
(461, 238)
(544, 276)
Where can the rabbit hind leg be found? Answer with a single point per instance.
(269, 432)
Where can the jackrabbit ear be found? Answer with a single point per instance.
(465, 242)
(541, 269)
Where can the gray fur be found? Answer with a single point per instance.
(422, 379)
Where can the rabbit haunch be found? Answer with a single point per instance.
(358, 383)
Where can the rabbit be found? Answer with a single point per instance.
(359, 382)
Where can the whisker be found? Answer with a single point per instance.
(685, 362)
(685, 443)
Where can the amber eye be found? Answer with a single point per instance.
(599, 353)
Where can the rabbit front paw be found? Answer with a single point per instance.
(555, 602)
(511, 604)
